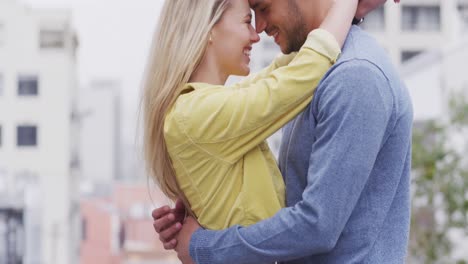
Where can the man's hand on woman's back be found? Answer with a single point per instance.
(168, 223)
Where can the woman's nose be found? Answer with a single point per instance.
(254, 37)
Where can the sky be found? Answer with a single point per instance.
(114, 40)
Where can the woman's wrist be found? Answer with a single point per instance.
(339, 19)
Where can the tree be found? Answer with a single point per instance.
(440, 184)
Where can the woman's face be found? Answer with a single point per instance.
(232, 39)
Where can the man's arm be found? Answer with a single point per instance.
(352, 117)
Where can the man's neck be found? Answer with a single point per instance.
(314, 12)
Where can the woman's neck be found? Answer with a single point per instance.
(209, 72)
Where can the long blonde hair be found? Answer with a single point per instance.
(179, 45)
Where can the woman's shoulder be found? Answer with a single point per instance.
(192, 96)
(195, 93)
(198, 86)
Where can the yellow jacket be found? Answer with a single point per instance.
(216, 135)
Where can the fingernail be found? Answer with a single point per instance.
(178, 225)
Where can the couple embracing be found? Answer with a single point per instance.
(340, 192)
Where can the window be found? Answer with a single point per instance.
(28, 85)
(51, 39)
(75, 160)
(84, 230)
(3, 238)
(11, 233)
(463, 9)
(421, 18)
(122, 236)
(409, 54)
(26, 136)
(375, 20)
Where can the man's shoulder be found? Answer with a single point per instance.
(361, 45)
(364, 68)
(363, 58)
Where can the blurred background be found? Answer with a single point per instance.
(72, 182)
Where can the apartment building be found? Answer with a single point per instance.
(100, 120)
(116, 226)
(38, 151)
(416, 26)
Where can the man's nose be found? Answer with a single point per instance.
(260, 24)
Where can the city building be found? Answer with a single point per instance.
(435, 76)
(39, 163)
(100, 119)
(421, 37)
(415, 26)
(117, 227)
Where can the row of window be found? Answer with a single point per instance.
(28, 85)
(11, 232)
(413, 18)
(48, 38)
(26, 136)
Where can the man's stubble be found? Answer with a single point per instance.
(295, 29)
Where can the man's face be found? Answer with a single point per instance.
(283, 20)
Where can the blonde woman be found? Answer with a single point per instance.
(205, 142)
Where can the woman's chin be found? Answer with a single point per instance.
(241, 71)
(245, 71)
